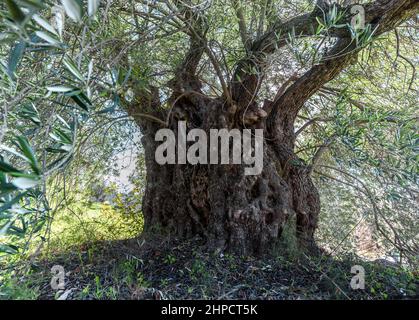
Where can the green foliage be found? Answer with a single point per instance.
(64, 83)
(12, 289)
(81, 223)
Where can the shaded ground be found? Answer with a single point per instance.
(131, 270)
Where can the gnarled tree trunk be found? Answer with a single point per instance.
(231, 210)
(219, 202)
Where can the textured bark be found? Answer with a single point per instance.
(230, 210)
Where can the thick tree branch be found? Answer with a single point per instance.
(383, 15)
(285, 108)
(186, 79)
(146, 107)
(185, 75)
(242, 22)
